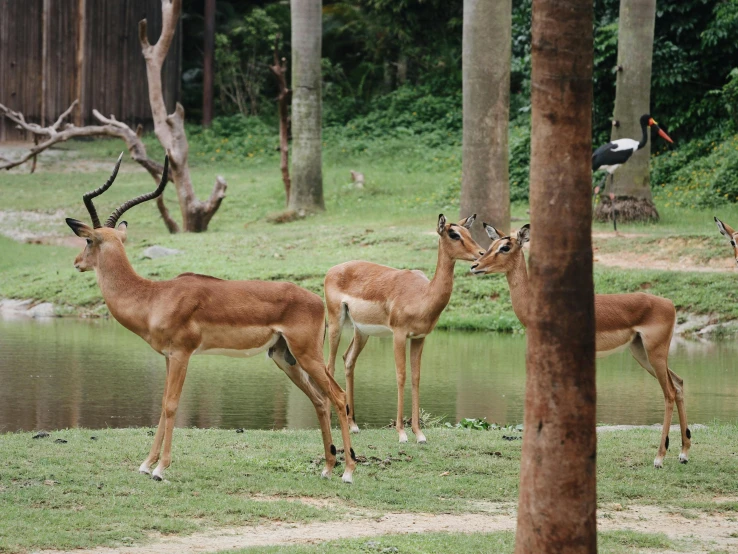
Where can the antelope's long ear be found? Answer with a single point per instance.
(524, 234)
(441, 224)
(726, 230)
(122, 229)
(492, 233)
(80, 229)
(468, 221)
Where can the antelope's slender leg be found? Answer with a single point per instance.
(669, 398)
(175, 380)
(657, 351)
(678, 383)
(349, 360)
(153, 456)
(416, 351)
(652, 354)
(319, 399)
(310, 359)
(400, 340)
(334, 333)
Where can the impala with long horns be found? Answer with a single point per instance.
(196, 314)
(401, 303)
(642, 322)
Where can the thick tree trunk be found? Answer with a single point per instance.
(558, 501)
(307, 174)
(631, 183)
(485, 187)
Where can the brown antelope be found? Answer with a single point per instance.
(383, 301)
(197, 314)
(731, 235)
(640, 321)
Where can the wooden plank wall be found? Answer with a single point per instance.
(42, 69)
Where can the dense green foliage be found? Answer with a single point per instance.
(700, 173)
(392, 70)
(372, 48)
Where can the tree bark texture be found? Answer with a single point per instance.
(485, 185)
(307, 173)
(557, 504)
(632, 100)
(208, 64)
(279, 70)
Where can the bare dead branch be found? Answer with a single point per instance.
(169, 128)
(110, 127)
(64, 115)
(279, 70)
(172, 226)
(33, 165)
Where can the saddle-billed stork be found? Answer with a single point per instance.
(612, 155)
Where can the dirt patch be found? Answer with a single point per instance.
(701, 531)
(617, 235)
(307, 500)
(27, 226)
(38, 228)
(630, 260)
(60, 159)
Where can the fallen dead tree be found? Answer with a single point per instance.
(169, 130)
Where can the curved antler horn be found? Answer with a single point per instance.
(113, 219)
(88, 196)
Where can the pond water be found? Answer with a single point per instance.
(62, 373)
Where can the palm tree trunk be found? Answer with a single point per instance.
(558, 500)
(631, 183)
(485, 187)
(307, 175)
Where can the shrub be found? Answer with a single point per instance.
(700, 173)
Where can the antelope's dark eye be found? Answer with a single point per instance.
(505, 248)
(89, 242)
(453, 236)
(732, 242)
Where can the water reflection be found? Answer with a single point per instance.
(93, 373)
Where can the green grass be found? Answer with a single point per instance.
(390, 221)
(87, 492)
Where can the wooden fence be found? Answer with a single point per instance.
(53, 51)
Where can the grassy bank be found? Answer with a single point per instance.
(86, 492)
(390, 221)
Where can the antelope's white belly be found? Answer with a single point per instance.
(234, 353)
(373, 330)
(368, 317)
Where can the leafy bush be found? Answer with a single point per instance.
(233, 137)
(481, 424)
(700, 173)
(405, 112)
(519, 148)
(241, 57)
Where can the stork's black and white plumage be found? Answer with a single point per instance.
(614, 154)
